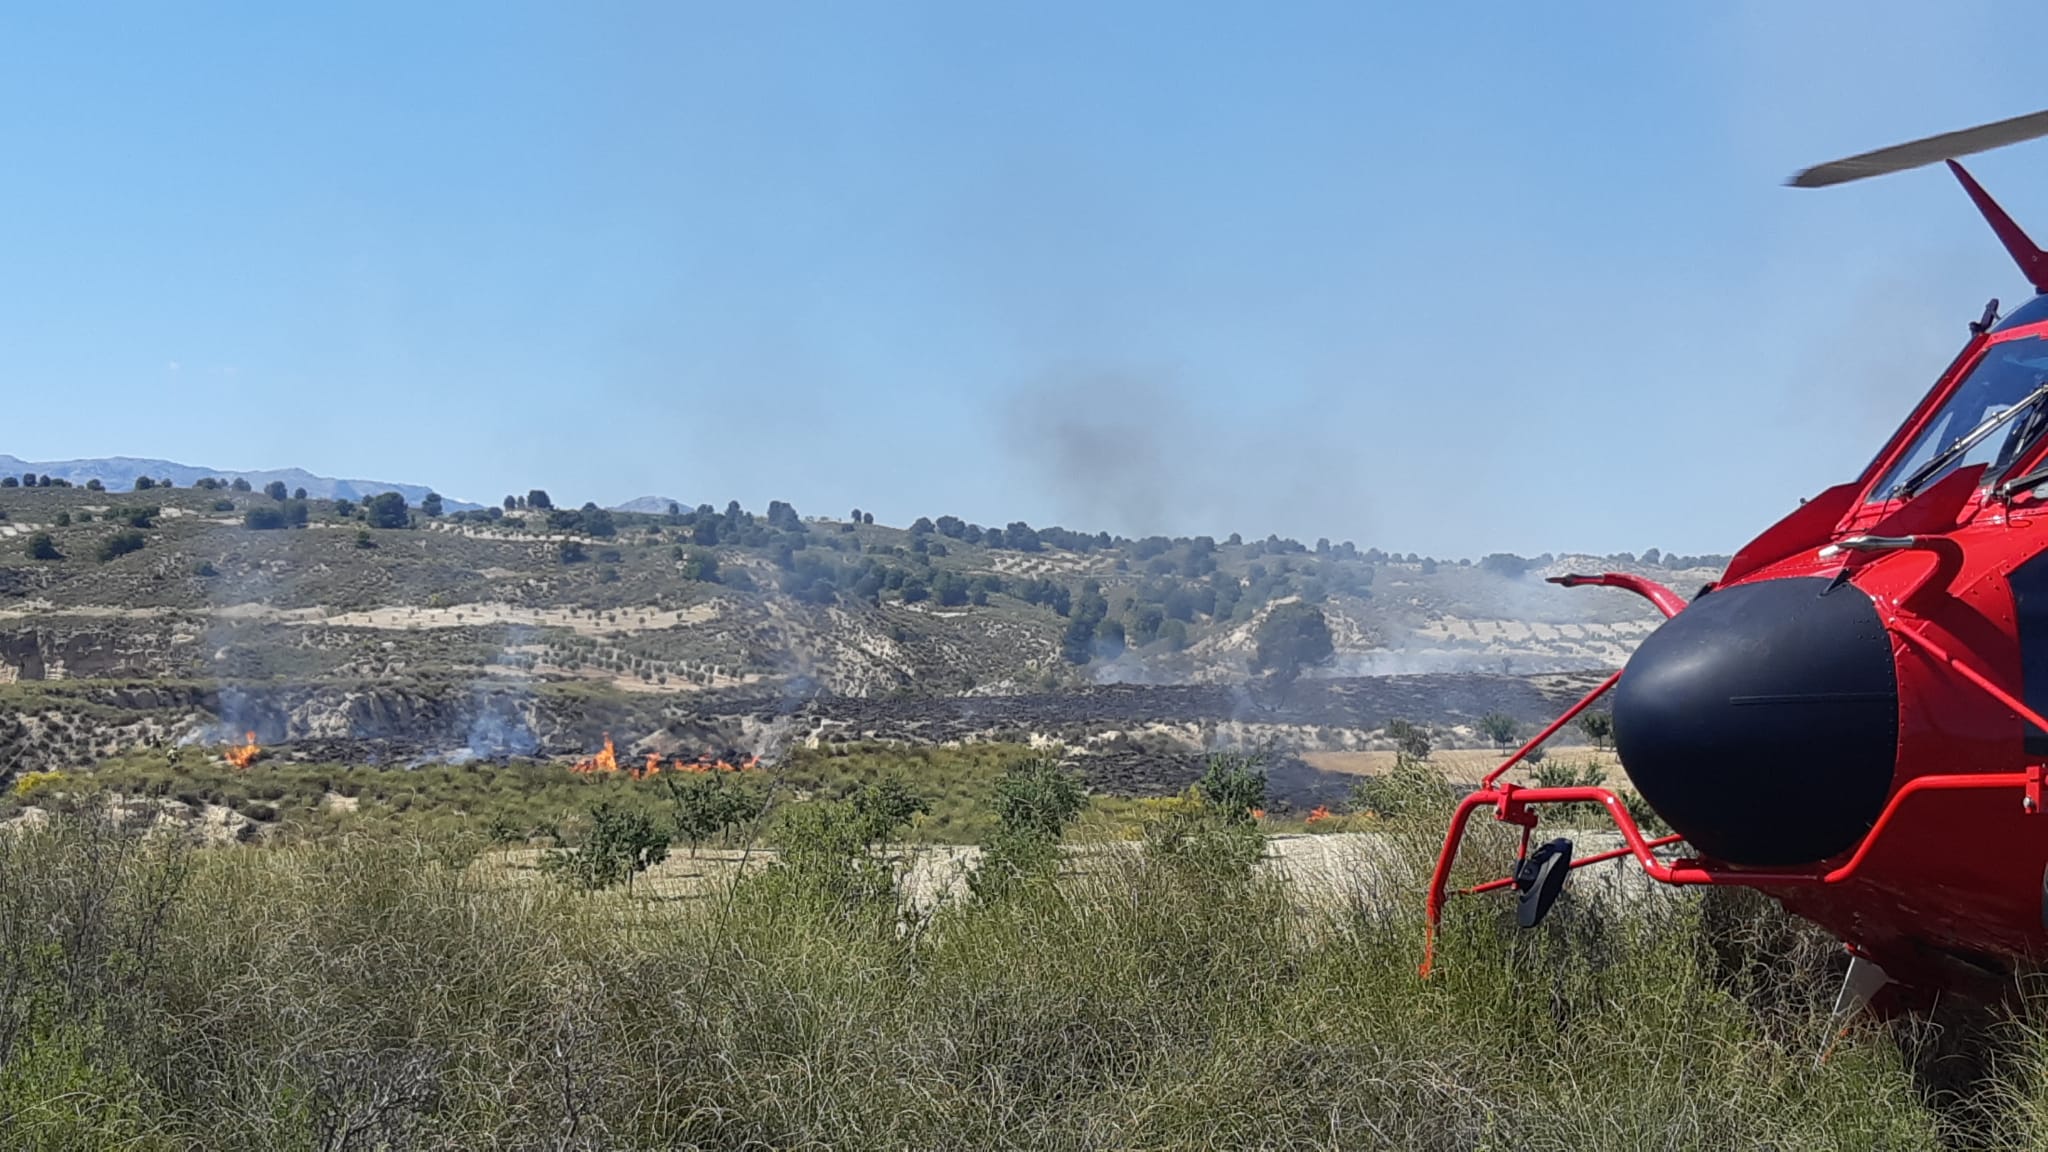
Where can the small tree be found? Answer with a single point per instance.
(42, 547)
(538, 499)
(1293, 636)
(431, 505)
(239, 484)
(1598, 727)
(1500, 728)
(387, 510)
(571, 552)
(621, 845)
(298, 493)
(144, 484)
(705, 806)
(95, 485)
(276, 491)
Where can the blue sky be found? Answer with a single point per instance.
(1448, 279)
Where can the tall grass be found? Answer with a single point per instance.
(378, 992)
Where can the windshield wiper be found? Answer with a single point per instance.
(1946, 456)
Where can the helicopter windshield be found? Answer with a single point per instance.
(2006, 374)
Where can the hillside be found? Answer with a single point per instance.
(534, 631)
(707, 599)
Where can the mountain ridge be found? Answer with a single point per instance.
(120, 472)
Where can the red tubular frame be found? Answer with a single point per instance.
(1512, 803)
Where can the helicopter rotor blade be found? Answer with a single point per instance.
(1946, 146)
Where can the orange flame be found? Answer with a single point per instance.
(606, 761)
(245, 755)
(1322, 812)
(1258, 813)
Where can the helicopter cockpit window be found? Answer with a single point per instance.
(2008, 373)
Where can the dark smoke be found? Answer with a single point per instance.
(1131, 454)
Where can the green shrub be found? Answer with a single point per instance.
(1036, 800)
(121, 544)
(1234, 784)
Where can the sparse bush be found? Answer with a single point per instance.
(570, 552)
(42, 547)
(121, 544)
(1412, 788)
(1562, 775)
(700, 565)
(1410, 740)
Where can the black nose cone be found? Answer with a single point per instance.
(1763, 721)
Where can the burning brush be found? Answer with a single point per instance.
(245, 754)
(606, 763)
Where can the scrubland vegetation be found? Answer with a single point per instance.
(385, 986)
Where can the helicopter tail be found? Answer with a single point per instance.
(2032, 261)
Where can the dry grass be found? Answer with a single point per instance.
(368, 992)
(1459, 765)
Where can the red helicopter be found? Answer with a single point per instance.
(1853, 719)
